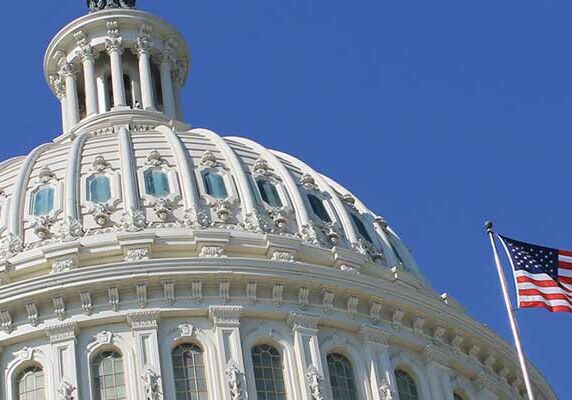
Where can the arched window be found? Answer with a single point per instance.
(341, 377)
(109, 376)
(214, 185)
(30, 384)
(406, 386)
(268, 374)
(319, 208)
(189, 368)
(361, 228)
(157, 183)
(43, 201)
(98, 189)
(269, 193)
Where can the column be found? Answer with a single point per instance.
(144, 325)
(88, 60)
(63, 342)
(68, 72)
(59, 89)
(144, 45)
(226, 325)
(179, 74)
(114, 48)
(378, 363)
(102, 94)
(167, 59)
(307, 352)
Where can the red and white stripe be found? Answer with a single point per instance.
(542, 291)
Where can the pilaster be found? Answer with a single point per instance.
(226, 325)
(63, 343)
(378, 362)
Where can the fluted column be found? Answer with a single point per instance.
(166, 63)
(114, 48)
(144, 45)
(69, 74)
(226, 323)
(307, 352)
(88, 61)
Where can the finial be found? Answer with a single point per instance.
(98, 5)
(489, 226)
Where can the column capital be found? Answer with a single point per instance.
(144, 41)
(58, 86)
(114, 42)
(179, 72)
(68, 70)
(168, 55)
(225, 315)
(432, 354)
(300, 321)
(62, 332)
(144, 320)
(374, 334)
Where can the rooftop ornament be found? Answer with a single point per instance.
(98, 5)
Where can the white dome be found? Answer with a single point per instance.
(136, 249)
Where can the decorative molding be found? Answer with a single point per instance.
(59, 307)
(352, 305)
(309, 182)
(152, 385)
(33, 314)
(349, 269)
(438, 334)
(375, 335)
(114, 42)
(26, 354)
(186, 330)
(303, 298)
(456, 344)
(397, 318)
(303, 321)
(224, 292)
(375, 312)
(385, 392)
(283, 256)
(6, 321)
(418, 325)
(169, 293)
(113, 298)
(234, 381)
(327, 301)
(197, 291)
(141, 291)
(62, 332)
(212, 252)
(133, 255)
(66, 391)
(103, 338)
(61, 266)
(474, 353)
(277, 294)
(251, 292)
(134, 220)
(86, 303)
(144, 320)
(225, 315)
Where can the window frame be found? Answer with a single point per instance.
(182, 343)
(355, 375)
(92, 358)
(277, 187)
(218, 168)
(284, 367)
(21, 372)
(107, 170)
(411, 375)
(163, 165)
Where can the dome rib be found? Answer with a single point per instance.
(301, 212)
(17, 209)
(244, 188)
(73, 173)
(186, 167)
(347, 224)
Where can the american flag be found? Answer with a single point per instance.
(543, 275)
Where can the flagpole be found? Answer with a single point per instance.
(510, 312)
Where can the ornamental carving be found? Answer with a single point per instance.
(162, 208)
(134, 220)
(212, 252)
(283, 256)
(26, 354)
(102, 213)
(6, 321)
(308, 234)
(234, 381)
(46, 175)
(155, 159)
(328, 301)
(350, 201)
(222, 209)
(12, 245)
(309, 182)
(196, 218)
(397, 318)
(33, 314)
(144, 320)
(209, 160)
(315, 383)
(277, 294)
(385, 392)
(366, 248)
(66, 391)
(144, 41)
(151, 381)
(186, 330)
(71, 229)
(225, 315)
(63, 266)
(100, 164)
(349, 269)
(261, 167)
(254, 223)
(61, 332)
(137, 254)
(42, 225)
(375, 312)
(98, 5)
(299, 320)
(104, 338)
(352, 305)
(280, 219)
(418, 325)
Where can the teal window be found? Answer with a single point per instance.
(214, 185)
(406, 386)
(43, 201)
(189, 368)
(342, 377)
(269, 193)
(268, 375)
(30, 384)
(361, 228)
(319, 208)
(109, 376)
(157, 183)
(99, 189)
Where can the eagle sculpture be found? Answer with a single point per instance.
(97, 5)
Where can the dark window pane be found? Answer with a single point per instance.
(319, 208)
(341, 377)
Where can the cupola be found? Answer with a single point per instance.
(116, 60)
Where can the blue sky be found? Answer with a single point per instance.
(437, 114)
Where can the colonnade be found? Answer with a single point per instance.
(95, 90)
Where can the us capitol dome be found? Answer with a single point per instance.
(143, 259)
